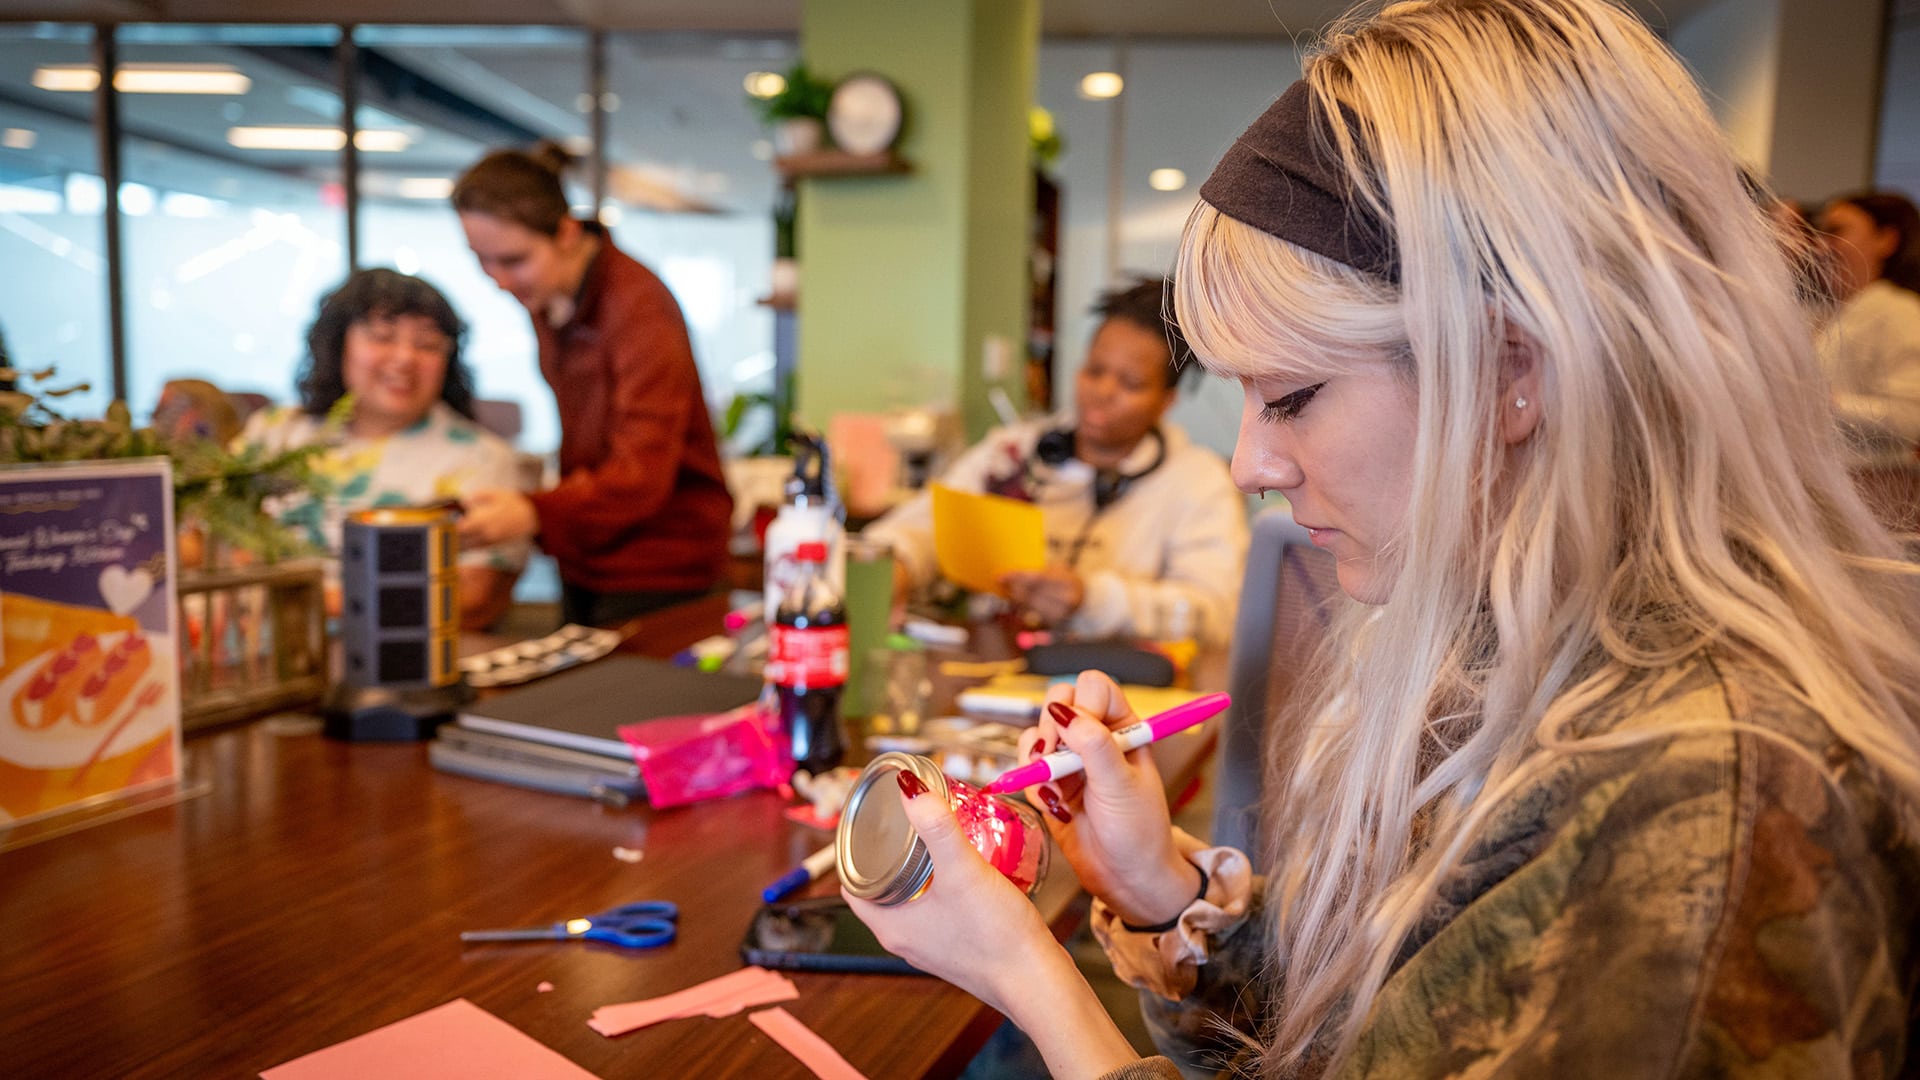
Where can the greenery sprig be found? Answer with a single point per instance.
(220, 488)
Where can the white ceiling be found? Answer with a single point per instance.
(1060, 18)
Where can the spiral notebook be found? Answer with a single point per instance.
(583, 709)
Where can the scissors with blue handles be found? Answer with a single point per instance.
(639, 925)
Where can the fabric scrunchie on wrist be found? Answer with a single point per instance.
(1161, 928)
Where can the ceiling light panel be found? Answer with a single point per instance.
(145, 78)
(1100, 85)
(1167, 179)
(372, 140)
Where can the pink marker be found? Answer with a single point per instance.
(1065, 762)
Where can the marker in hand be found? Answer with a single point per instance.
(1064, 762)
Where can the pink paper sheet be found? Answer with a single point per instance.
(800, 1040)
(723, 996)
(457, 1041)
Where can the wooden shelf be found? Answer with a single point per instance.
(837, 163)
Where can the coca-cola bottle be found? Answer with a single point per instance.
(807, 662)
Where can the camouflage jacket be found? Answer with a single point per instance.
(1708, 905)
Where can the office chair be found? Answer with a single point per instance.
(1287, 601)
(1892, 491)
(502, 418)
(245, 403)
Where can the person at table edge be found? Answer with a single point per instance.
(1140, 521)
(392, 341)
(639, 519)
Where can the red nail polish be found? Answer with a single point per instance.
(911, 784)
(1061, 813)
(1061, 714)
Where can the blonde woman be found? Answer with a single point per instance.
(1613, 770)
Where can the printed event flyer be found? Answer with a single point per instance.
(89, 682)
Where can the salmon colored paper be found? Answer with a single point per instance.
(977, 538)
(457, 1041)
(723, 996)
(800, 1040)
(867, 461)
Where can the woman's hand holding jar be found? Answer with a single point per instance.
(971, 925)
(977, 930)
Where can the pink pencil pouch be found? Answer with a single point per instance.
(686, 759)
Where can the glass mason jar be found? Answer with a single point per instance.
(882, 859)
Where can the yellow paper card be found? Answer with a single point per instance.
(976, 538)
(1024, 695)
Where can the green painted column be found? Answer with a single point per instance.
(909, 283)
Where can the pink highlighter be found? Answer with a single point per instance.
(1065, 762)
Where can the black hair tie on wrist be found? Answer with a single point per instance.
(1161, 928)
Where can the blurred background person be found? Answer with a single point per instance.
(1870, 346)
(393, 342)
(1807, 252)
(640, 517)
(1141, 523)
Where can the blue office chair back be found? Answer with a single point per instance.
(1287, 601)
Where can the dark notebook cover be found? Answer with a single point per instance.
(584, 708)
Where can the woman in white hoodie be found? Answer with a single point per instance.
(1141, 523)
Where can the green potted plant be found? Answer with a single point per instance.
(1043, 139)
(253, 609)
(215, 488)
(797, 112)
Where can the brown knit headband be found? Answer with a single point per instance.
(1284, 177)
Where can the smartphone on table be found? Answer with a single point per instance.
(818, 933)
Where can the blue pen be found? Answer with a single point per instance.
(815, 864)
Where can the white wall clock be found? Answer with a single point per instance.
(865, 113)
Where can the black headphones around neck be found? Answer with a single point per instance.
(1057, 447)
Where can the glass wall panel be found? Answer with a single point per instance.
(462, 91)
(53, 306)
(1182, 105)
(1899, 146)
(692, 196)
(234, 220)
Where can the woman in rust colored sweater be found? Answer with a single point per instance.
(639, 519)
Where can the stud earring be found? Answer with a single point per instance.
(1519, 403)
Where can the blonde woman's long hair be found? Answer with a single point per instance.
(1550, 175)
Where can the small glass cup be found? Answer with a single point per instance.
(1179, 637)
(898, 672)
(882, 859)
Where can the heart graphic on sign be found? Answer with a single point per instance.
(124, 590)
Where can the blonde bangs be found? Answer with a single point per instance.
(1255, 306)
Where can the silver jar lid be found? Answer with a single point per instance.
(880, 855)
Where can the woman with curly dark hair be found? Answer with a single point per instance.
(393, 342)
(375, 296)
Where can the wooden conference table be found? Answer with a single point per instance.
(318, 891)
